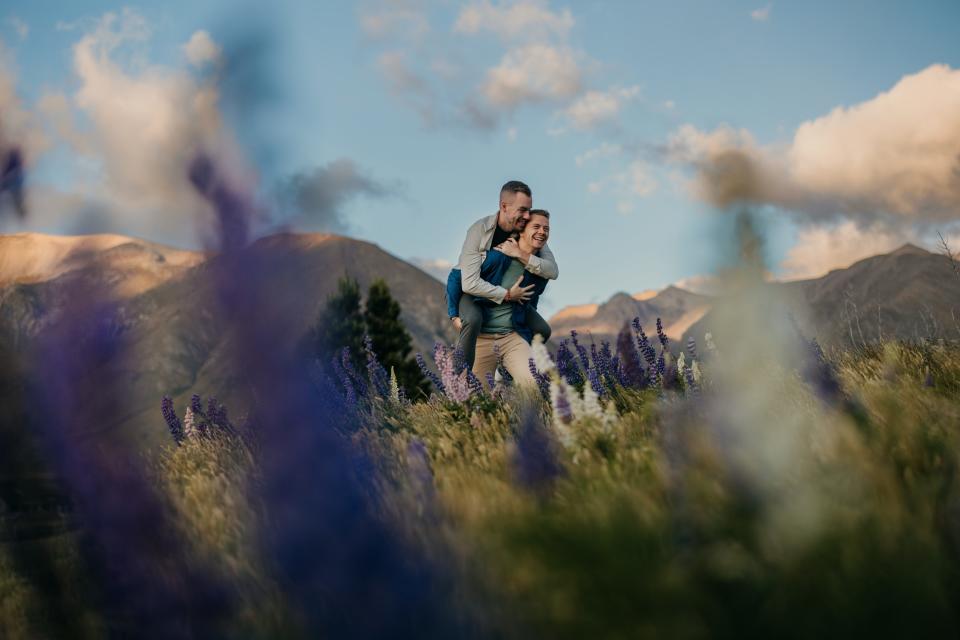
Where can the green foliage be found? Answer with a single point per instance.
(391, 340)
(341, 324)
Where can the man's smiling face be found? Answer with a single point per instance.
(537, 230)
(514, 211)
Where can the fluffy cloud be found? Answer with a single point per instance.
(201, 49)
(896, 156)
(532, 73)
(520, 20)
(436, 267)
(762, 14)
(146, 125)
(403, 18)
(316, 198)
(596, 107)
(21, 28)
(821, 248)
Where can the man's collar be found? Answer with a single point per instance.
(490, 222)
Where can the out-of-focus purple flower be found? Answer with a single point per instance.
(419, 471)
(692, 348)
(491, 380)
(476, 387)
(631, 370)
(149, 586)
(430, 375)
(12, 180)
(340, 565)
(170, 416)
(542, 382)
(536, 463)
(455, 384)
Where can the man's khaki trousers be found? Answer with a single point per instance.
(514, 350)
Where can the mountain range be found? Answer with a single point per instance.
(178, 338)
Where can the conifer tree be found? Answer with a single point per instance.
(341, 325)
(391, 341)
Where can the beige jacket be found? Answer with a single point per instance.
(475, 247)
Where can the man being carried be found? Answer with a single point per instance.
(495, 231)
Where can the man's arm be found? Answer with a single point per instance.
(544, 265)
(471, 257)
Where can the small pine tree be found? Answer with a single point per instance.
(340, 325)
(391, 340)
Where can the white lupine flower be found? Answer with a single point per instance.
(697, 374)
(562, 416)
(681, 368)
(708, 339)
(394, 386)
(190, 431)
(590, 408)
(541, 357)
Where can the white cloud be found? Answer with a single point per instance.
(895, 156)
(627, 185)
(201, 49)
(821, 248)
(395, 19)
(20, 27)
(512, 134)
(533, 73)
(596, 107)
(436, 267)
(524, 20)
(605, 150)
(762, 14)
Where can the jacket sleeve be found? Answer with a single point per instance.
(544, 265)
(471, 258)
(453, 293)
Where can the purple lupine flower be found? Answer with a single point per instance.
(691, 383)
(692, 348)
(460, 361)
(542, 382)
(346, 361)
(661, 364)
(605, 362)
(350, 394)
(197, 405)
(491, 381)
(567, 365)
(536, 464)
(643, 344)
(379, 379)
(660, 334)
(631, 370)
(476, 387)
(430, 375)
(170, 416)
(561, 405)
(455, 384)
(581, 352)
(594, 377)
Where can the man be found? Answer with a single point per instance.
(492, 231)
(504, 333)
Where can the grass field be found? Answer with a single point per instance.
(681, 511)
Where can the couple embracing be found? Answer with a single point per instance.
(492, 295)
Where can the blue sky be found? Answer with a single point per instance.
(413, 113)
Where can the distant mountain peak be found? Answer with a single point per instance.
(910, 249)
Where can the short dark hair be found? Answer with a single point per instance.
(540, 212)
(514, 186)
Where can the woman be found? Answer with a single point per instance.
(505, 332)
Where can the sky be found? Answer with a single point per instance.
(642, 126)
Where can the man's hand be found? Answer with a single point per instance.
(458, 323)
(516, 293)
(511, 247)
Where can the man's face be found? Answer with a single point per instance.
(537, 231)
(514, 211)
